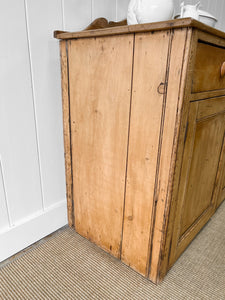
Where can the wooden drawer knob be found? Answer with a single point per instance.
(223, 69)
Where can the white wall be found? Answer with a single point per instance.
(32, 182)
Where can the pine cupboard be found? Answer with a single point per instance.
(144, 124)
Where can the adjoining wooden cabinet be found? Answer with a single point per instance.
(200, 171)
(221, 196)
(144, 124)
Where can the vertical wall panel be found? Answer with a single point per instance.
(205, 5)
(216, 8)
(221, 24)
(18, 145)
(4, 220)
(220, 14)
(44, 51)
(77, 14)
(212, 7)
(177, 7)
(104, 8)
(122, 7)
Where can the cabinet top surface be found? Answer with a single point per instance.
(149, 27)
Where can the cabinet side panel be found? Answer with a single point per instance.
(170, 128)
(149, 75)
(66, 128)
(100, 83)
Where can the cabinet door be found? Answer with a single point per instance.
(201, 171)
(221, 197)
(222, 193)
(100, 72)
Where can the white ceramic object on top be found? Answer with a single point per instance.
(207, 18)
(147, 11)
(193, 11)
(190, 11)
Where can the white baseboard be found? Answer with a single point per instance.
(32, 229)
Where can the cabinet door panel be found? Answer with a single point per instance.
(100, 72)
(221, 197)
(201, 172)
(206, 152)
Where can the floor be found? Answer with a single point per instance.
(67, 266)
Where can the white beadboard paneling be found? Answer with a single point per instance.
(77, 14)
(44, 53)
(17, 127)
(177, 7)
(213, 8)
(105, 9)
(205, 4)
(4, 217)
(122, 7)
(221, 23)
(32, 229)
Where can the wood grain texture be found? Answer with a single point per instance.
(67, 134)
(206, 152)
(220, 180)
(222, 196)
(197, 191)
(157, 26)
(211, 107)
(222, 185)
(211, 40)
(100, 87)
(207, 69)
(185, 165)
(147, 185)
(183, 107)
(104, 23)
(222, 70)
(151, 51)
(167, 150)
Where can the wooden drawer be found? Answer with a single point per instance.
(207, 68)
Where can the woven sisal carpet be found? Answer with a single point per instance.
(69, 267)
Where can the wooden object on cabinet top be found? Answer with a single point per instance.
(148, 27)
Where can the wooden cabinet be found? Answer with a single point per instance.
(144, 124)
(221, 196)
(200, 171)
(207, 68)
(222, 192)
